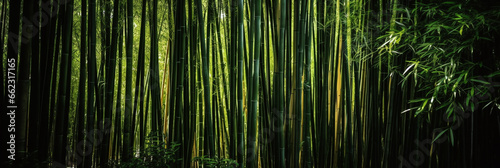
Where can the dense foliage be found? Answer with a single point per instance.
(256, 83)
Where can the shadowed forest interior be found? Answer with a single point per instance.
(250, 83)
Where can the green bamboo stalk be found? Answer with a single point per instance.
(180, 29)
(224, 99)
(117, 144)
(23, 80)
(298, 94)
(91, 82)
(110, 82)
(173, 77)
(175, 81)
(239, 115)
(215, 86)
(251, 36)
(83, 74)
(201, 121)
(319, 92)
(128, 137)
(105, 30)
(232, 80)
(307, 95)
(154, 74)
(206, 83)
(48, 35)
(55, 71)
(213, 99)
(349, 85)
(192, 79)
(254, 94)
(140, 80)
(279, 89)
(288, 69)
(62, 113)
(292, 147)
(264, 104)
(388, 118)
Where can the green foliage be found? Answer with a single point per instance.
(216, 162)
(157, 154)
(439, 43)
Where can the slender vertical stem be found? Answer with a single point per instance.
(206, 82)
(241, 45)
(128, 136)
(279, 89)
(254, 95)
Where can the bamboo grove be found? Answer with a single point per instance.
(254, 83)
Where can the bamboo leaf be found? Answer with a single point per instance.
(493, 74)
(409, 67)
(452, 139)
(439, 135)
(457, 82)
(407, 110)
(480, 81)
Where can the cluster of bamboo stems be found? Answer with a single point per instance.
(273, 83)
